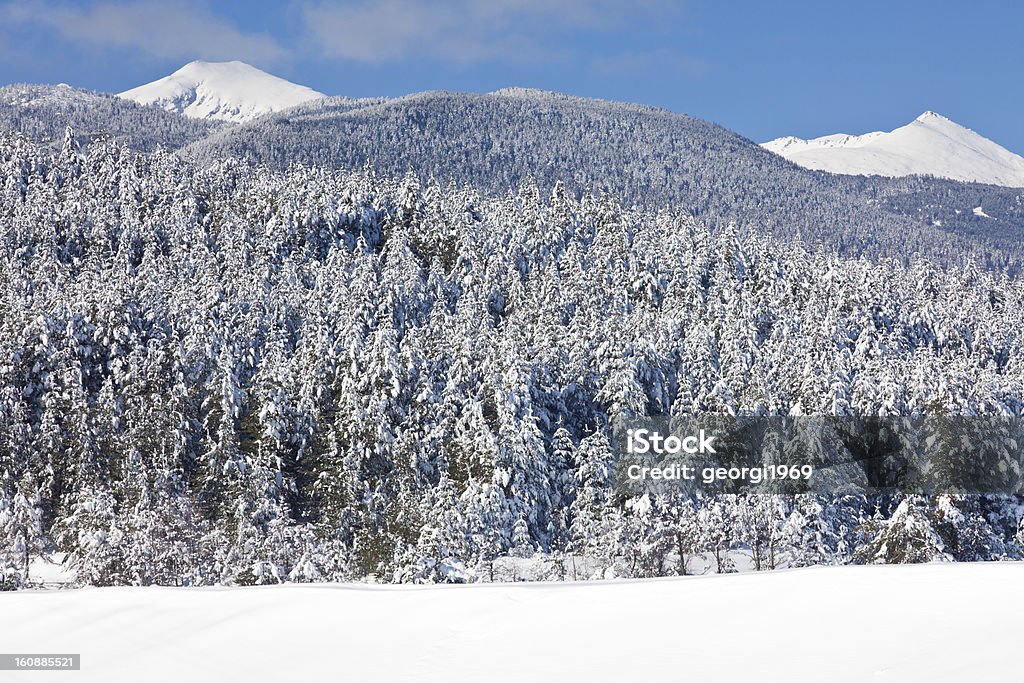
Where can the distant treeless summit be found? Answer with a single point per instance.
(931, 144)
(225, 91)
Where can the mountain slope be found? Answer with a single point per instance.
(42, 112)
(929, 145)
(645, 155)
(225, 91)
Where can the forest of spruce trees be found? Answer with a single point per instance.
(223, 374)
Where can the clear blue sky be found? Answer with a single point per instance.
(761, 68)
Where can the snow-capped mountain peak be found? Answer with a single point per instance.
(227, 91)
(931, 144)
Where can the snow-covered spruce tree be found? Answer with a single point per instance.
(10, 575)
(758, 520)
(808, 535)
(522, 467)
(717, 531)
(92, 537)
(907, 537)
(563, 463)
(485, 506)
(21, 526)
(681, 529)
(162, 531)
(966, 533)
(590, 526)
(442, 546)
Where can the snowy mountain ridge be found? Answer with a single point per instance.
(931, 144)
(224, 91)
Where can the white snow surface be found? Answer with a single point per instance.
(227, 91)
(929, 145)
(939, 622)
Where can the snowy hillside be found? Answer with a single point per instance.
(912, 623)
(43, 112)
(929, 145)
(227, 91)
(499, 141)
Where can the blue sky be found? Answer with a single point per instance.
(763, 69)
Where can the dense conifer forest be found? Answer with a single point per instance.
(223, 373)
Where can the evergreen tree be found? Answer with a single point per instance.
(907, 537)
(21, 525)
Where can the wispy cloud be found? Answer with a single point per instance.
(164, 29)
(461, 31)
(607, 37)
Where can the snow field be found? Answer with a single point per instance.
(907, 623)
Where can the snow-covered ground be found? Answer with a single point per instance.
(227, 91)
(948, 622)
(931, 144)
(50, 572)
